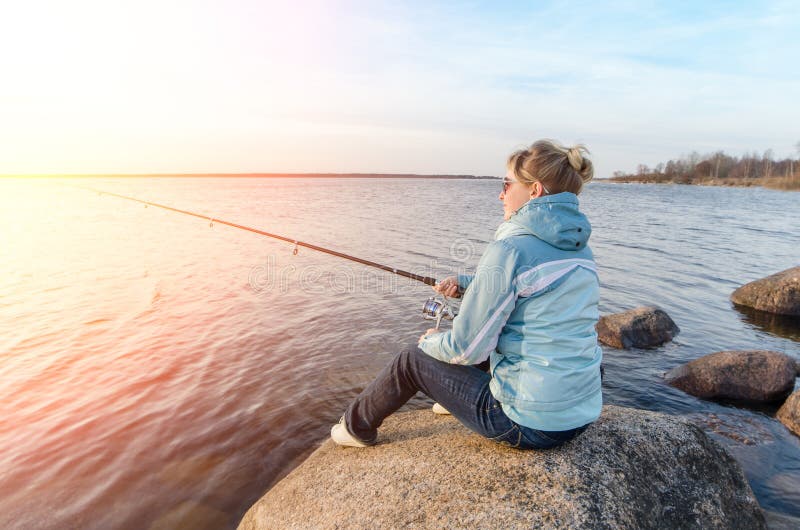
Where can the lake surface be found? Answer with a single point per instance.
(163, 371)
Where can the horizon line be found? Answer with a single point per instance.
(249, 175)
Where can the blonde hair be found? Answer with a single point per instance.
(556, 167)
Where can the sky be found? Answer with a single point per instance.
(389, 87)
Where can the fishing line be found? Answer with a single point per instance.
(433, 309)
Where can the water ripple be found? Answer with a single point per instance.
(144, 376)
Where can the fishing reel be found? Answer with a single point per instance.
(436, 308)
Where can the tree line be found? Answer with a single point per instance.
(719, 168)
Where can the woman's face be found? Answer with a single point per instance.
(515, 194)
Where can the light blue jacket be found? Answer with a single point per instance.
(531, 308)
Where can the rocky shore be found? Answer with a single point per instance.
(630, 469)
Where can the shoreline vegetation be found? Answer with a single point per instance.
(720, 169)
(260, 175)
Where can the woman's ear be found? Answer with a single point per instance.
(536, 190)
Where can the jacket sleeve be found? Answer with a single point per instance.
(484, 310)
(464, 281)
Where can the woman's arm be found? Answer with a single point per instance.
(484, 311)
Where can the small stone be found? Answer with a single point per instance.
(643, 327)
(757, 376)
(779, 293)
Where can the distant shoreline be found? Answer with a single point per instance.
(775, 183)
(720, 169)
(263, 175)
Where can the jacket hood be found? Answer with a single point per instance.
(555, 219)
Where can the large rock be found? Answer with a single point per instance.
(789, 413)
(759, 376)
(631, 469)
(643, 327)
(779, 293)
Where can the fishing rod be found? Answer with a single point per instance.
(433, 309)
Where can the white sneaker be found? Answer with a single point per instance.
(438, 409)
(341, 436)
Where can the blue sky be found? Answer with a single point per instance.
(423, 87)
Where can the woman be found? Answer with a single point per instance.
(530, 309)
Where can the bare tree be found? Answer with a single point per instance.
(718, 165)
(717, 158)
(693, 159)
(767, 163)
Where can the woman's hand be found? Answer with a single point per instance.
(448, 287)
(428, 332)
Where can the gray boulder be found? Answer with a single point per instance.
(789, 413)
(758, 376)
(643, 327)
(779, 293)
(630, 469)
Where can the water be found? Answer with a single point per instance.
(158, 372)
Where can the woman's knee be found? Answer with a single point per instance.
(410, 354)
(411, 362)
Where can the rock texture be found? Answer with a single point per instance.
(643, 327)
(631, 469)
(789, 413)
(779, 293)
(759, 376)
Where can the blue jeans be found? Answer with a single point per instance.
(462, 390)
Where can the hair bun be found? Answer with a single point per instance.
(558, 168)
(575, 156)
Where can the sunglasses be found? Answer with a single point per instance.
(508, 182)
